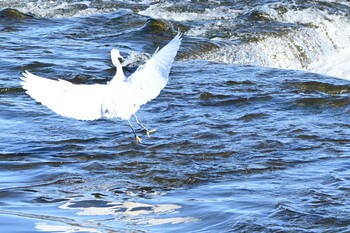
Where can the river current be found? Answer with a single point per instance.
(252, 128)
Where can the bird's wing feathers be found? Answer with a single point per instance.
(86, 102)
(150, 78)
(82, 102)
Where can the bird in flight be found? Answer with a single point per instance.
(120, 98)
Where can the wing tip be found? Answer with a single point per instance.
(26, 75)
(178, 36)
(24, 79)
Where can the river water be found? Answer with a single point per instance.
(252, 129)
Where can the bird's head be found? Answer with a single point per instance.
(116, 57)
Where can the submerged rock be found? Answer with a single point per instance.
(161, 25)
(257, 15)
(10, 13)
(158, 25)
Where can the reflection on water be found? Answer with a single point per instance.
(46, 227)
(131, 213)
(136, 212)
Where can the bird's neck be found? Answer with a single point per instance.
(119, 76)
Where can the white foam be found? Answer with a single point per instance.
(165, 11)
(337, 65)
(135, 59)
(320, 44)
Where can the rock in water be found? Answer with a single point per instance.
(10, 13)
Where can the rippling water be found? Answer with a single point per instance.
(252, 129)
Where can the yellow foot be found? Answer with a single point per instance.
(150, 131)
(138, 139)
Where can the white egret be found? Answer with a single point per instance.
(119, 98)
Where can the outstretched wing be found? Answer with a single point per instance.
(150, 78)
(82, 102)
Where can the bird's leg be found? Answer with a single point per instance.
(143, 127)
(138, 139)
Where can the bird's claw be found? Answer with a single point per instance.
(138, 139)
(149, 132)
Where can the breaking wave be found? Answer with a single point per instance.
(309, 36)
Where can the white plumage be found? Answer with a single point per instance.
(121, 97)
